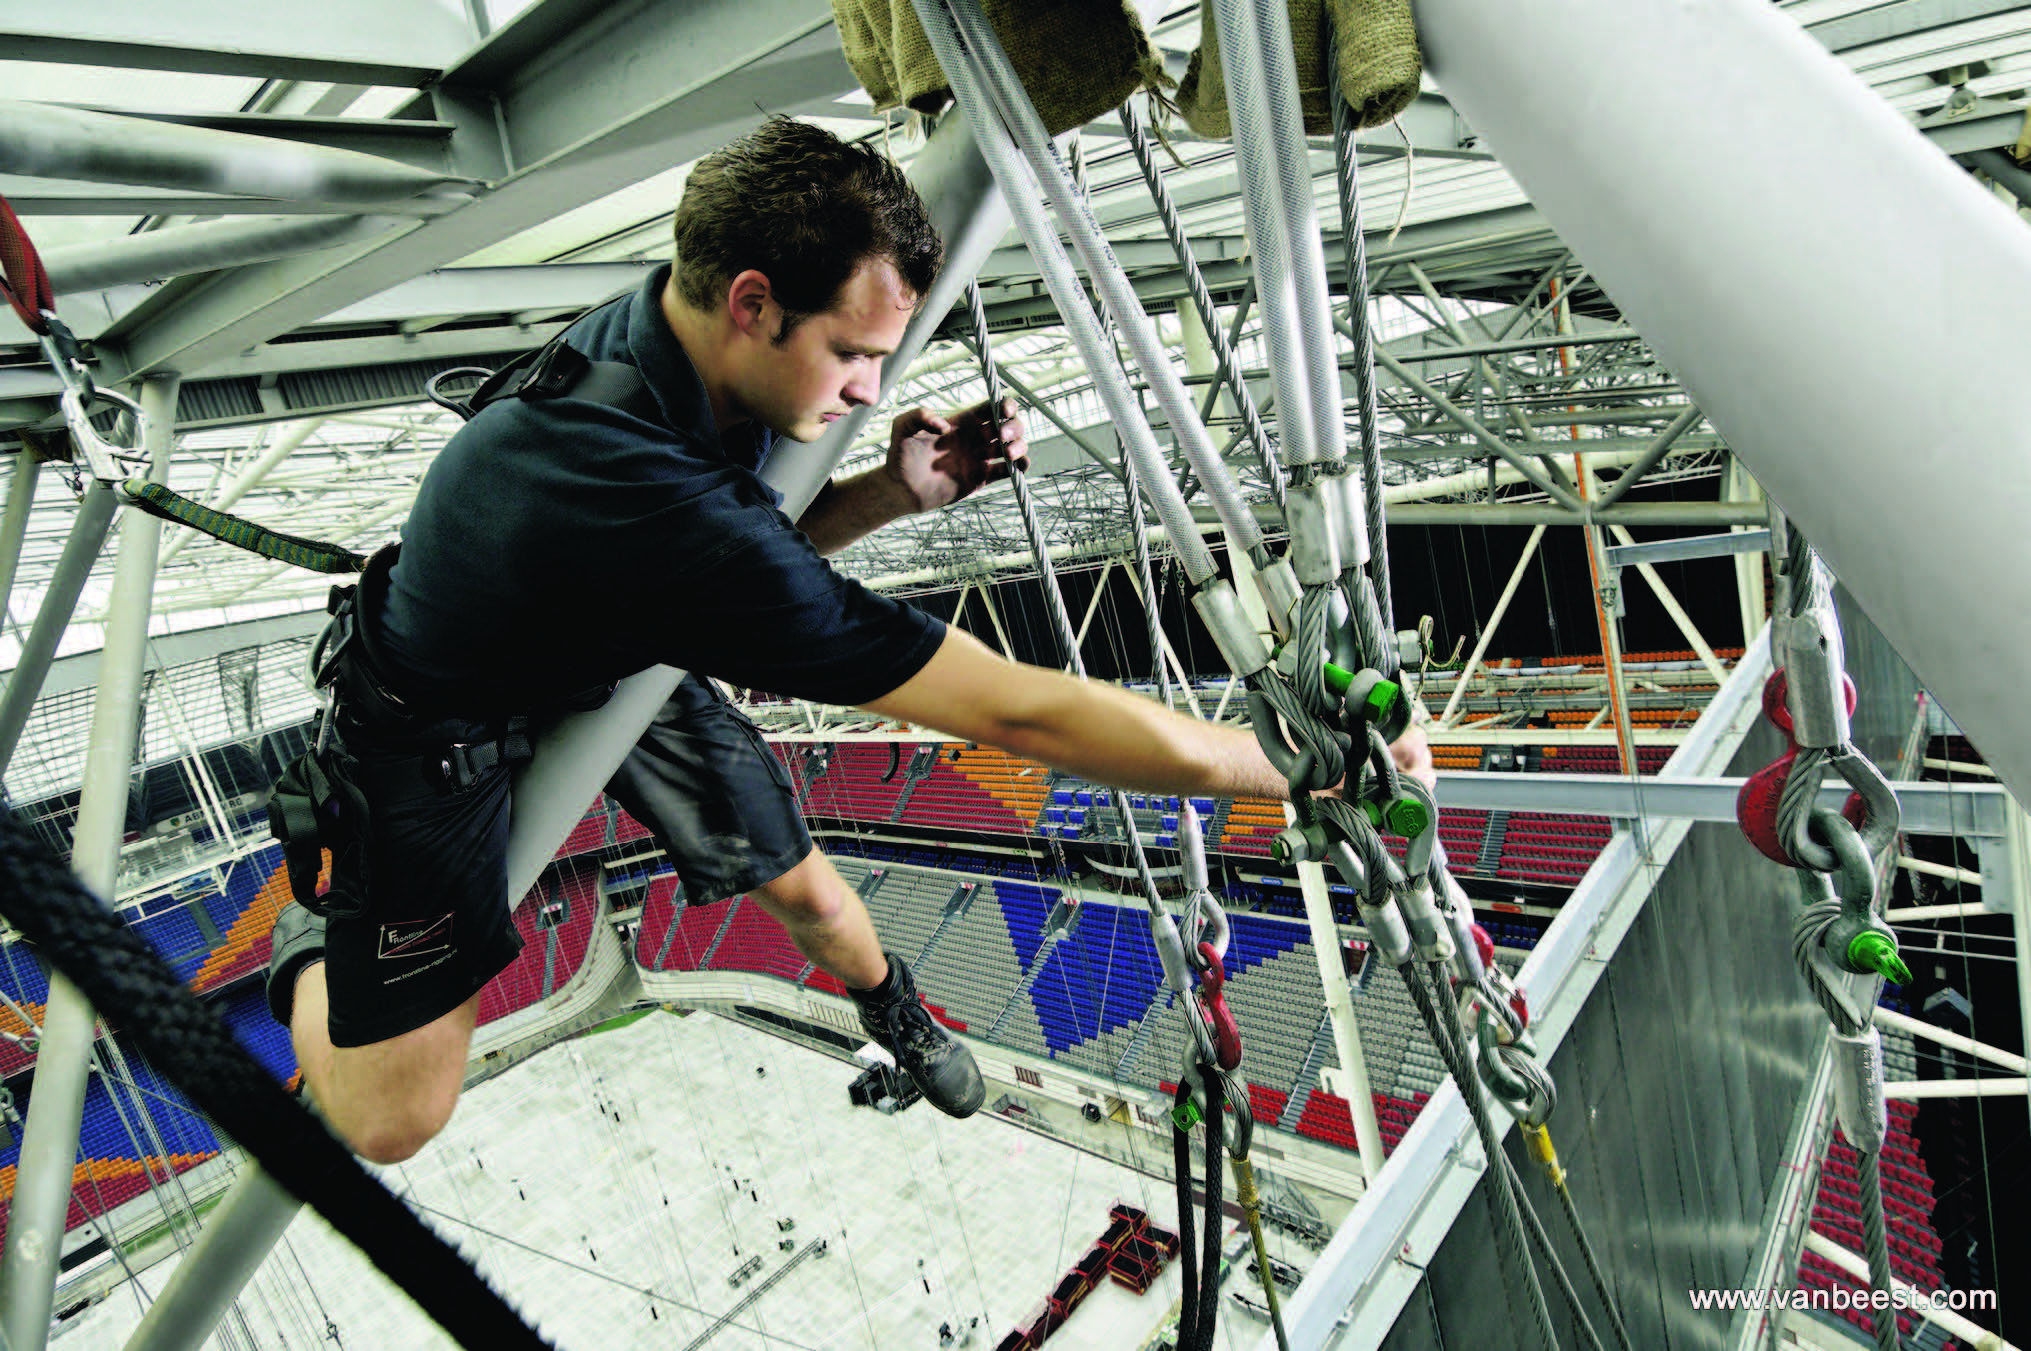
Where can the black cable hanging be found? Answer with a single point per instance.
(122, 977)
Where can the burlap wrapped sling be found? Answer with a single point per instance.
(1077, 58)
(1379, 65)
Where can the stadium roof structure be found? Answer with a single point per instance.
(564, 130)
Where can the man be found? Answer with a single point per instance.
(561, 542)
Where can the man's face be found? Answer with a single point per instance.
(832, 362)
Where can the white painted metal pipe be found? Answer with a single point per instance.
(182, 250)
(14, 524)
(45, 140)
(49, 1145)
(1901, 1022)
(236, 1240)
(288, 443)
(1951, 874)
(1914, 913)
(1898, 336)
(1920, 1301)
(1488, 630)
(1955, 1088)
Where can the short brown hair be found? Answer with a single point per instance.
(805, 209)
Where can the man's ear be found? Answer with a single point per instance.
(751, 304)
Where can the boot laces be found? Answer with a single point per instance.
(913, 1029)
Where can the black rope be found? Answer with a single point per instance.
(1200, 1302)
(134, 989)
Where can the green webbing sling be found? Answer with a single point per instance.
(316, 555)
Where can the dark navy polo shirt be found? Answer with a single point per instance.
(556, 545)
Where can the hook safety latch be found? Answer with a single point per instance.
(80, 392)
(1213, 1000)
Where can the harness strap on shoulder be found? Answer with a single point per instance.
(559, 370)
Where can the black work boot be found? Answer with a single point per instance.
(298, 940)
(942, 1069)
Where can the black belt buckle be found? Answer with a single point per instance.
(462, 762)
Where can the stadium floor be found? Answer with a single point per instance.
(640, 1167)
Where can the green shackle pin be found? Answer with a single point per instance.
(1873, 950)
(1405, 816)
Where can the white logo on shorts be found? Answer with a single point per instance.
(416, 937)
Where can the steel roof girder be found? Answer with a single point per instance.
(386, 42)
(701, 96)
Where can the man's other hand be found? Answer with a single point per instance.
(1413, 755)
(938, 460)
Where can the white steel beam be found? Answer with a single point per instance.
(1980, 1050)
(579, 100)
(1899, 337)
(384, 42)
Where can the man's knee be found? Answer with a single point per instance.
(396, 1135)
(812, 892)
(389, 1099)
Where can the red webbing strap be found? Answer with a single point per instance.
(23, 278)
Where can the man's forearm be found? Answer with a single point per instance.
(1106, 734)
(850, 509)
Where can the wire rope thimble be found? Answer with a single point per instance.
(1512, 1077)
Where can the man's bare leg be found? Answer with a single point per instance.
(827, 921)
(388, 1099)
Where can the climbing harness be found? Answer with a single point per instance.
(1840, 934)
(318, 803)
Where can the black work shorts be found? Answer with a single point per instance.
(436, 925)
(439, 922)
(713, 795)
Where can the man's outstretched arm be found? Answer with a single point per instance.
(1097, 731)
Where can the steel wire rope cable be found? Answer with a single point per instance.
(1519, 1274)
(1015, 170)
(1511, 1179)
(1137, 529)
(1816, 842)
(641, 1182)
(597, 1274)
(635, 1194)
(944, 21)
(1227, 364)
(124, 979)
(747, 1117)
(815, 1173)
(698, 1136)
(104, 1217)
(1967, 982)
(1047, 579)
(1355, 245)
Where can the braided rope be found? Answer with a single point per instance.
(133, 988)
